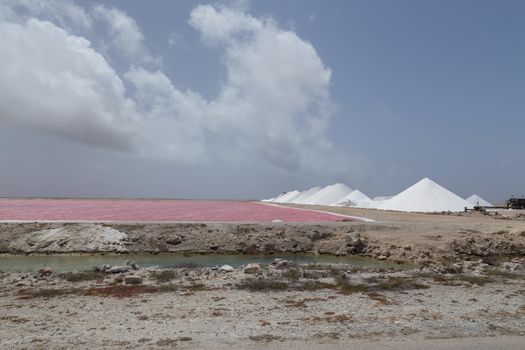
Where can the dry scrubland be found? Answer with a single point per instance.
(469, 284)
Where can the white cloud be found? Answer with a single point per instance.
(276, 97)
(126, 35)
(173, 125)
(65, 13)
(56, 82)
(273, 108)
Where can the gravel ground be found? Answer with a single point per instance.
(202, 308)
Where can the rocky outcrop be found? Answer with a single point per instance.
(86, 238)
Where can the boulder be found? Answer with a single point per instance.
(511, 266)
(226, 268)
(252, 268)
(281, 263)
(119, 269)
(45, 271)
(132, 264)
(175, 240)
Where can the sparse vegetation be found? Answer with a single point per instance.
(398, 284)
(459, 279)
(163, 276)
(120, 291)
(504, 274)
(311, 286)
(47, 293)
(292, 274)
(261, 285)
(345, 287)
(81, 276)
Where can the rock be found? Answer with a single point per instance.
(510, 266)
(174, 240)
(133, 279)
(281, 264)
(252, 268)
(226, 268)
(105, 268)
(133, 265)
(45, 271)
(119, 269)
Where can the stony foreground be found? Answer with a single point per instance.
(259, 305)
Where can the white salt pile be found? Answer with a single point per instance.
(328, 195)
(478, 201)
(305, 195)
(287, 197)
(368, 204)
(274, 198)
(426, 196)
(382, 198)
(352, 200)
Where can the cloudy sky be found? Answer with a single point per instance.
(245, 99)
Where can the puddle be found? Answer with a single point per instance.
(32, 263)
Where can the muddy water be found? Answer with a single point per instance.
(32, 263)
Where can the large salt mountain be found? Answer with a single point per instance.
(352, 200)
(477, 200)
(426, 196)
(287, 197)
(303, 197)
(328, 195)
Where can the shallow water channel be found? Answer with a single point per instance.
(81, 262)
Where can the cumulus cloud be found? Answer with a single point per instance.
(65, 13)
(56, 82)
(273, 107)
(173, 125)
(276, 97)
(125, 34)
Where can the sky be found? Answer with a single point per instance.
(246, 99)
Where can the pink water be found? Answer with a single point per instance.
(153, 210)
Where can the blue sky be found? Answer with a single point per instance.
(375, 94)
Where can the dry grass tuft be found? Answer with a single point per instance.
(262, 285)
(163, 276)
(82, 276)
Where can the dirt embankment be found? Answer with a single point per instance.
(433, 239)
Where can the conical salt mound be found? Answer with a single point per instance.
(287, 197)
(330, 194)
(352, 199)
(426, 196)
(478, 201)
(305, 195)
